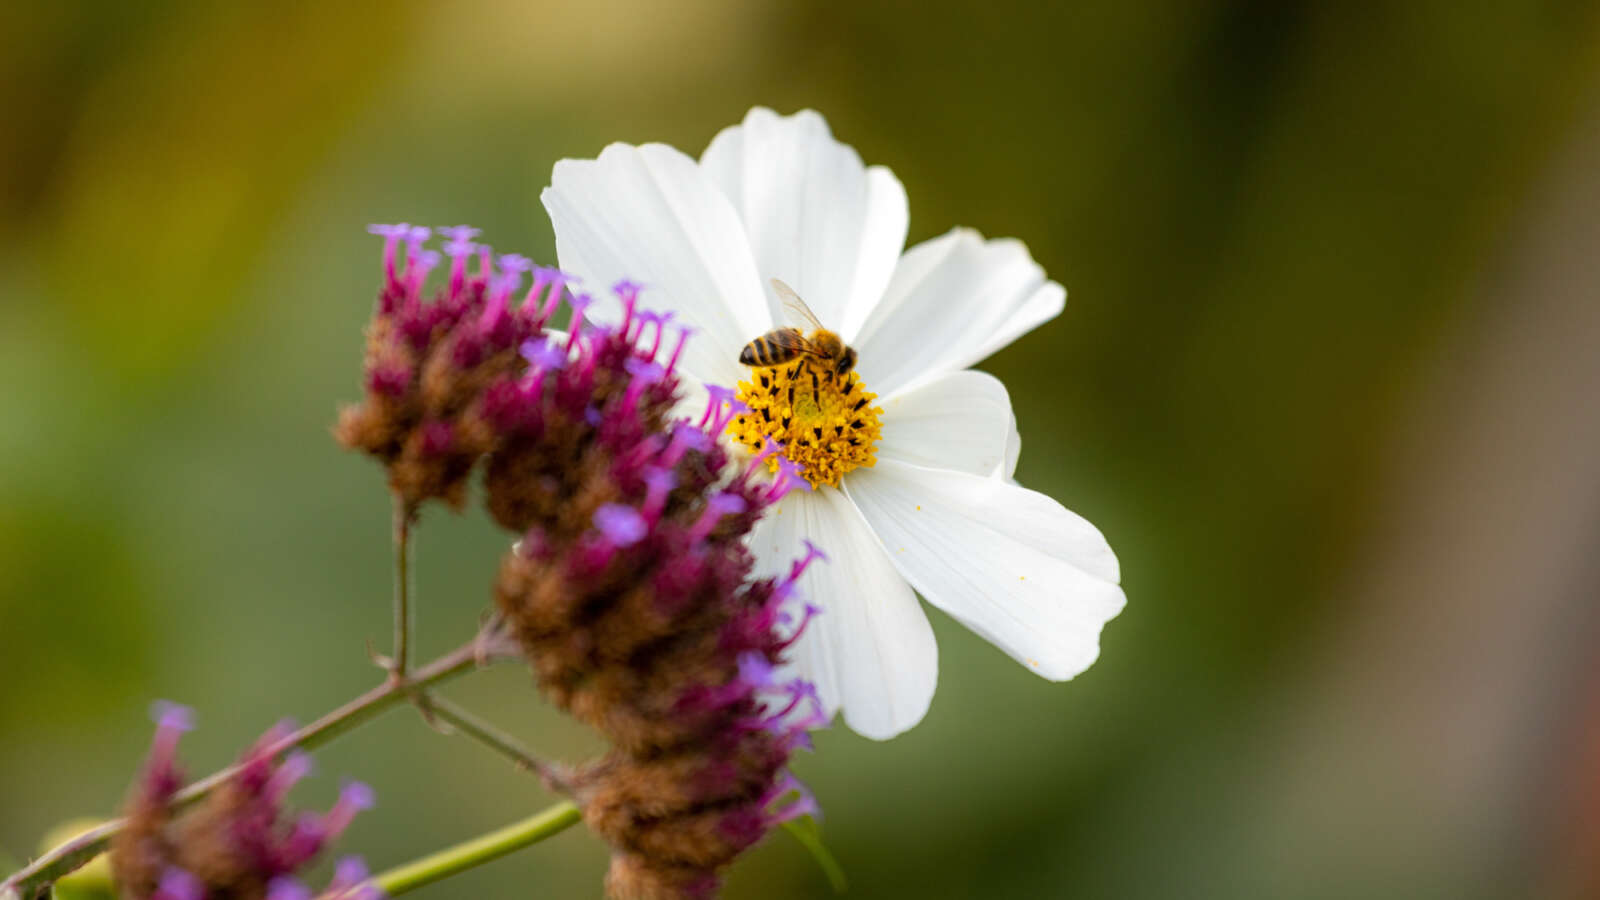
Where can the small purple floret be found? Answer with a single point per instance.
(544, 354)
(643, 370)
(348, 872)
(622, 525)
(460, 232)
(754, 670)
(357, 796)
(171, 716)
(287, 887)
(515, 262)
(716, 397)
(176, 884)
(691, 437)
(791, 475)
(423, 262)
(297, 766)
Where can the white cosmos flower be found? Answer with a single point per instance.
(778, 197)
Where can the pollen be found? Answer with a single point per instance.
(826, 422)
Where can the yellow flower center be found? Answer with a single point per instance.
(826, 422)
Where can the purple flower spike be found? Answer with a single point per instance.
(621, 524)
(287, 887)
(176, 884)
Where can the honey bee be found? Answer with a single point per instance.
(781, 345)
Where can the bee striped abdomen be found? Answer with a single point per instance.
(774, 348)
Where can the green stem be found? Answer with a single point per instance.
(485, 733)
(35, 880)
(402, 585)
(479, 850)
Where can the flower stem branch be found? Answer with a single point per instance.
(35, 880)
(479, 850)
(487, 734)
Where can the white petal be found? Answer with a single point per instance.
(953, 301)
(1011, 564)
(957, 421)
(650, 215)
(871, 651)
(818, 219)
(1013, 451)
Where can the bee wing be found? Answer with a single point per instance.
(789, 339)
(796, 307)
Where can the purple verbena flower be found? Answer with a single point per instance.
(235, 842)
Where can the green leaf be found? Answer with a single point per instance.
(806, 830)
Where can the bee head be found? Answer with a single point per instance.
(847, 361)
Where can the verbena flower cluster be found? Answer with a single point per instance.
(240, 842)
(629, 584)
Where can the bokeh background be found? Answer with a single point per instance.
(1328, 378)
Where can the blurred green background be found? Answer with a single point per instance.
(1327, 378)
